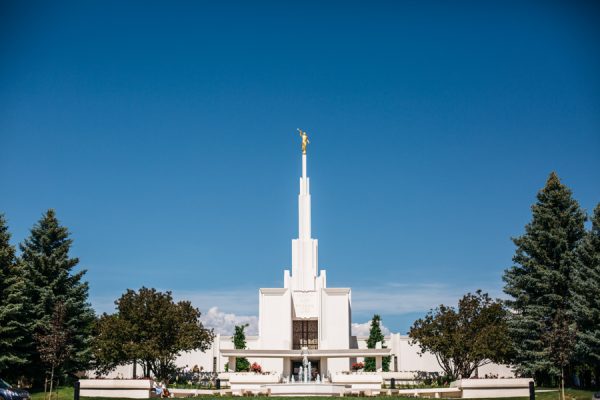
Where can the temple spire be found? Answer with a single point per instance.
(305, 263)
(304, 197)
(304, 204)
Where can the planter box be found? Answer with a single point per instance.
(305, 389)
(194, 392)
(401, 377)
(444, 393)
(123, 388)
(367, 380)
(478, 388)
(250, 381)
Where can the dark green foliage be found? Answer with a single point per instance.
(50, 277)
(150, 328)
(375, 336)
(586, 295)
(12, 308)
(539, 282)
(239, 342)
(463, 340)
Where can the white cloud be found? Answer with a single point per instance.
(226, 308)
(224, 323)
(364, 328)
(398, 299)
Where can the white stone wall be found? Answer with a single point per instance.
(275, 325)
(334, 326)
(275, 319)
(407, 355)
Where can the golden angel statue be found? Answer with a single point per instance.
(305, 140)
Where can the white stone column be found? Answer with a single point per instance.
(378, 364)
(287, 366)
(232, 364)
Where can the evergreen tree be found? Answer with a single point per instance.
(12, 308)
(586, 298)
(51, 280)
(375, 336)
(539, 282)
(239, 342)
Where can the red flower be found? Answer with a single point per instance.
(357, 365)
(255, 367)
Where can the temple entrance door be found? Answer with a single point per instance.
(305, 334)
(296, 369)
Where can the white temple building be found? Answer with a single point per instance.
(304, 316)
(307, 318)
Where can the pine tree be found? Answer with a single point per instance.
(375, 336)
(539, 282)
(239, 342)
(586, 298)
(12, 308)
(51, 280)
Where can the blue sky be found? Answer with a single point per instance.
(163, 133)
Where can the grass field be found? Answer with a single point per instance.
(66, 393)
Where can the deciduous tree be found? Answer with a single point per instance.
(149, 327)
(466, 338)
(53, 342)
(560, 340)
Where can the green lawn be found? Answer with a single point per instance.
(570, 393)
(66, 393)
